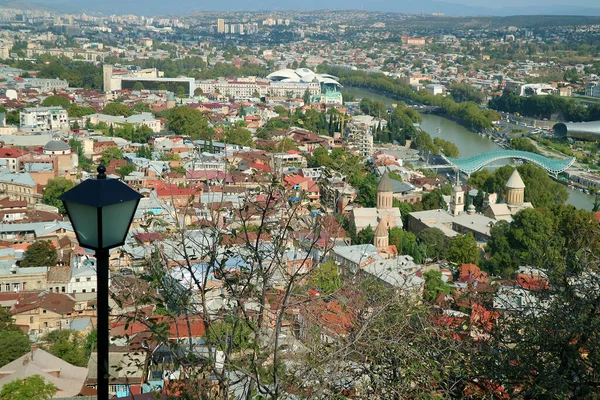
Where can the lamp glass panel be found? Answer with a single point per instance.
(115, 222)
(85, 223)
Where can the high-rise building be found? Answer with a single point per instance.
(220, 25)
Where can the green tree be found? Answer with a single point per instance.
(189, 122)
(405, 209)
(117, 109)
(111, 153)
(40, 254)
(306, 97)
(463, 250)
(14, 344)
(434, 285)
(406, 243)
(501, 261)
(144, 152)
(281, 110)
(7, 322)
(325, 278)
(434, 200)
(54, 189)
(69, 346)
(365, 236)
(239, 136)
(435, 243)
(236, 333)
(286, 144)
(531, 236)
(138, 86)
(32, 387)
(125, 170)
(56, 101)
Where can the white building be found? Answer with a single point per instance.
(436, 89)
(360, 137)
(237, 89)
(136, 120)
(83, 275)
(44, 85)
(120, 78)
(592, 89)
(44, 119)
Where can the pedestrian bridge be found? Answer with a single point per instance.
(468, 165)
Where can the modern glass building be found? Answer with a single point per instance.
(578, 130)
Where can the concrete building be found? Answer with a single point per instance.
(146, 119)
(360, 137)
(592, 89)
(16, 279)
(44, 85)
(126, 77)
(239, 89)
(82, 54)
(41, 119)
(19, 186)
(435, 89)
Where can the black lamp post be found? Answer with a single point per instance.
(101, 211)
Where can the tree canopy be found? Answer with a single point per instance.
(111, 153)
(189, 122)
(117, 109)
(54, 189)
(40, 254)
(32, 387)
(56, 101)
(14, 345)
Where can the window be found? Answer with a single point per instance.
(45, 323)
(76, 279)
(83, 291)
(63, 289)
(89, 279)
(93, 290)
(44, 312)
(31, 320)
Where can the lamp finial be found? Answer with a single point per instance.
(101, 172)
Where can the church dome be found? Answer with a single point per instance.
(57, 145)
(515, 181)
(385, 184)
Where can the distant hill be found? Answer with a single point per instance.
(161, 7)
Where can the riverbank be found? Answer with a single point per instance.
(468, 142)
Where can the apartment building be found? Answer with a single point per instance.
(39, 119)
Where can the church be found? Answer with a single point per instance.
(515, 200)
(381, 218)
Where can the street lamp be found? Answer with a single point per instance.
(101, 211)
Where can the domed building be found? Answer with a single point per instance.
(57, 146)
(515, 200)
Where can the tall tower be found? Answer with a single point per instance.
(385, 193)
(107, 72)
(220, 25)
(457, 201)
(515, 190)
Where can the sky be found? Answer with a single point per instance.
(449, 7)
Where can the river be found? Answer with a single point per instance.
(469, 143)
